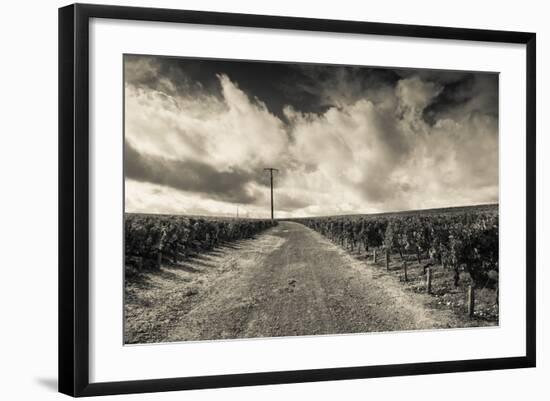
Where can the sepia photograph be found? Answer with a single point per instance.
(268, 199)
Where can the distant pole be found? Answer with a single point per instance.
(271, 170)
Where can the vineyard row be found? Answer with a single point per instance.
(461, 241)
(150, 238)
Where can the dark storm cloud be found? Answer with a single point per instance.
(438, 76)
(331, 86)
(167, 75)
(190, 176)
(470, 94)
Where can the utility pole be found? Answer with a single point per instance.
(271, 170)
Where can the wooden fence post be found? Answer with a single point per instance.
(471, 301)
(374, 256)
(159, 259)
(387, 260)
(428, 280)
(405, 269)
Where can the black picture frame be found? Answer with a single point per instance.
(74, 201)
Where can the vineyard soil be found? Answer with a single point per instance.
(288, 280)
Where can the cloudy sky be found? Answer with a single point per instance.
(198, 134)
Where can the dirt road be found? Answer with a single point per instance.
(288, 281)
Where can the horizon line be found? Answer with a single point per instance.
(199, 216)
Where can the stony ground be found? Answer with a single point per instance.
(288, 281)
